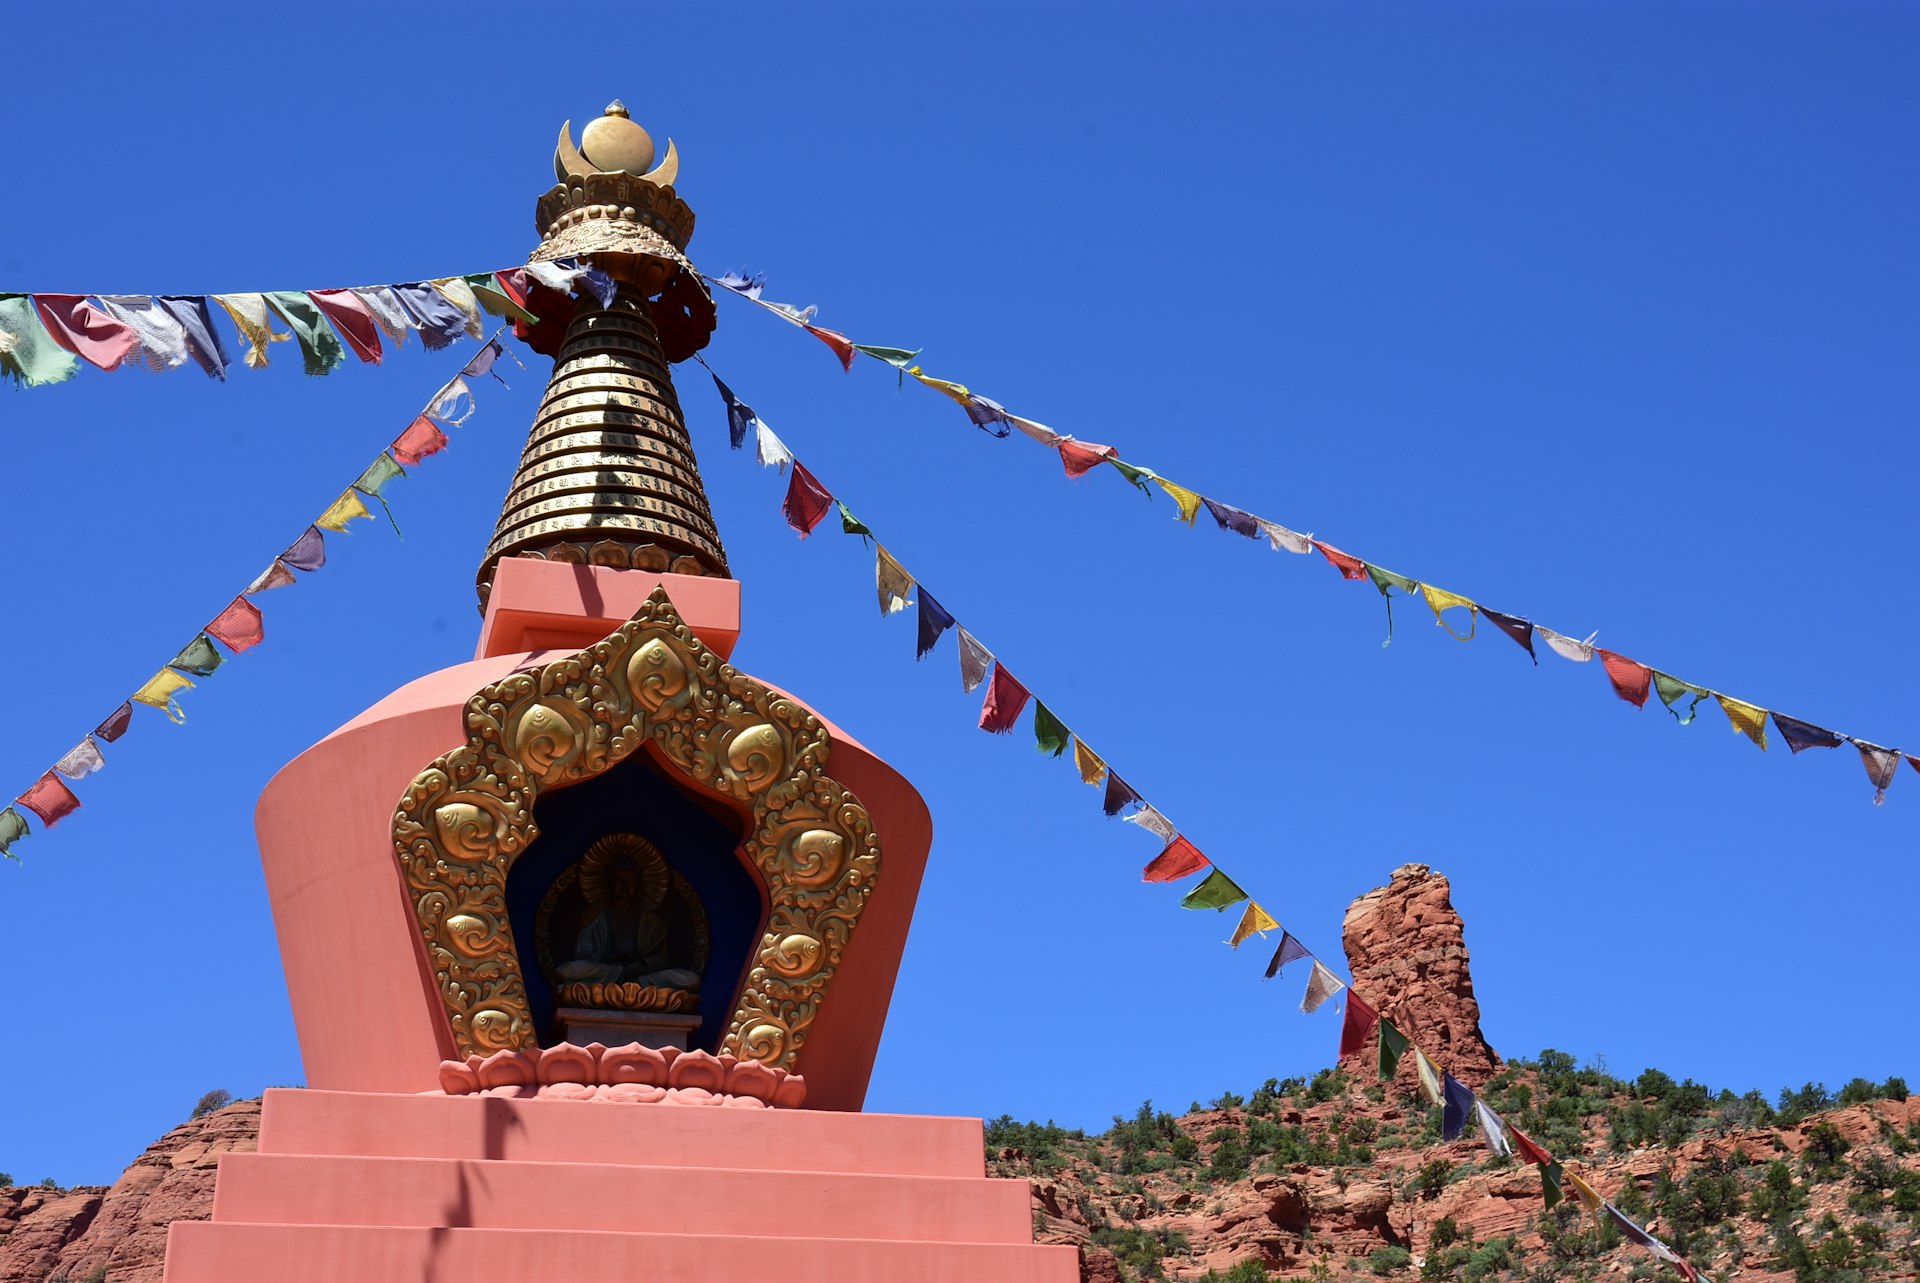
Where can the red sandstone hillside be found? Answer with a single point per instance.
(1342, 1177)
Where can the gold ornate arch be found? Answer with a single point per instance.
(466, 818)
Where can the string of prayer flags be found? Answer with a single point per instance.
(1255, 921)
(1178, 860)
(1005, 698)
(1393, 1045)
(1050, 734)
(163, 343)
(13, 827)
(82, 760)
(933, 621)
(1632, 680)
(1746, 719)
(1216, 891)
(50, 799)
(1357, 1025)
(1456, 1103)
(1321, 985)
(891, 579)
(1289, 950)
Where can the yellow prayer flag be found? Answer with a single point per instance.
(251, 318)
(158, 693)
(1253, 920)
(1588, 1196)
(1442, 601)
(958, 391)
(1747, 720)
(1429, 1078)
(1092, 769)
(457, 292)
(1189, 501)
(344, 509)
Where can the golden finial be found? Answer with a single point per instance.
(613, 144)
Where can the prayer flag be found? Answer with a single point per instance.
(115, 725)
(1492, 1129)
(1255, 921)
(852, 525)
(239, 627)
(1092, 769)
(28, 354)
(1176, 861)
(483, 362)
(82, 760)
(1283, 539)
(1393, 1044)
(1136, 476)
(1290, 950)
(440, 323)
(250, 317)
(1671, 690)
(199, 658)
(1521, 630)
(800, 316)
(1217, 891)
(1881, 763)
(1429, 1076)
(1631, 679)
(308, 552)
(163, 343)
(320, 347)
(986, 412)
(841, 345)
(353, 319)
(1120, 794)
(1799, 734)
(204, 343)
(1349, 566)
(1040, 432)
(447, 400)
(1005, 698)
(158, 693)
(342, 510)
(1231, 518)
(1188, 501)
(740, 415)
(1321, 985)
(947, 388)
(895, 585)
(1050, 734)
(1386, 581)
(382, 470)
(1566, 647)
(13, 827)
(1456, 1102)
(1081, 457)
(1357, 1025)
(1441, 601)
(1747, 719)
(1550, 1174)
(974, 659)
(387, 312)
(807, 501)
(1150, 819)
(1526, 1148)
(742, 284)
(85, 330)
(423, 437)
(50, 799)
(934, 620)
(491, 292)
(772, 451)
(459, 293)
(898, 357)
(1588, 1196)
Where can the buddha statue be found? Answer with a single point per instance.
(622, 954)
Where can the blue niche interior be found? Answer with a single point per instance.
(697, 837)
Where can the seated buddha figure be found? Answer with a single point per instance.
(623, 950)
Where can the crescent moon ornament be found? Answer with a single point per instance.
(663, 174)
(567, 160)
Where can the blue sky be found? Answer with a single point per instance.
(1602, 314)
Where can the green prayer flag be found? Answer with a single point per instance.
(1672, 689)
(378, 473)
(1386, 581)
(1049, 733)
(898, 357)
(13, 827)
(320, 346)
(1217, 892)
(1392, 1044)
(1138, 476)
(28, 354)
(852, 524)
(496, 301)
(1550, 1183)
(199, 658)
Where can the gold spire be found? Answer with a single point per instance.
(608, 475)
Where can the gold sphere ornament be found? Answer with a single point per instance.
(614, 143)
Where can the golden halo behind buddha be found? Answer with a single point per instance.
(597, 864)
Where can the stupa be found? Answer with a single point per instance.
(590, 939)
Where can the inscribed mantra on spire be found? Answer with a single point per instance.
(608, 476)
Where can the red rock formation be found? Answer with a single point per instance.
(1408, 953)
(76, 1234)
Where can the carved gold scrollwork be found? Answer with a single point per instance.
(466, 817)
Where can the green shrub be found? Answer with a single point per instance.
(1826, 1149)
(1796, 1105)
(1493, 1257)
(218, 1098)
(1385, 1261)
(1433, 1178)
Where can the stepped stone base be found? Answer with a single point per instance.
(374, 1187)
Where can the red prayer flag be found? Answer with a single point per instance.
(1631, 679)
(422, 438)
(1005, 698)
(353, 318)
(116, 724)
(85, 330)
(1081, 457)
(239, 626)
(1528, 1150)
(807, 500)
(553, 310)
(1357, 1026)
(842, 345)
(1349, 566)
(1179, 859)
(50, 799)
